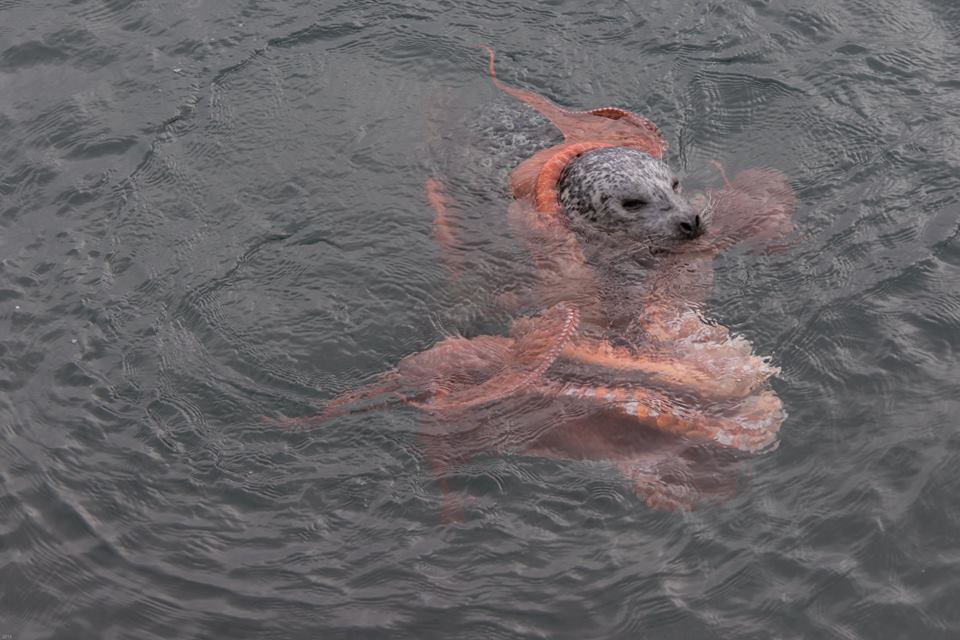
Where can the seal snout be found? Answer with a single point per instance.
(691, 226)
(617, 190)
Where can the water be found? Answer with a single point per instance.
(214, 212)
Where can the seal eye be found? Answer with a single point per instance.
(633, 204)
(676, 185)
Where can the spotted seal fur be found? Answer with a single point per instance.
(616, 190)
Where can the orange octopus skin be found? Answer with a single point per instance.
(459, 374)
(751, 426)
(534, 354)
(442, 228)
(668, 369)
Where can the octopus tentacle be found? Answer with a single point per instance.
(716, 164)
(433, 373)
(387, 385)
(741, 374)
(541, 343)
(443, 231)
(616, 113)
(547, 108)
(657, 494)
(361, 399)
(546, 195)
(584, 124)
(753, 425)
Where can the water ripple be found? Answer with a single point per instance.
(212, 215)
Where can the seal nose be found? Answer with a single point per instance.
(691, 227)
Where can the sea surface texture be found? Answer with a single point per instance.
(213, 217)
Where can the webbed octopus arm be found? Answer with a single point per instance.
(564, 275)
(533, 346)
(426, 375)
(755, 209)
(667, 482)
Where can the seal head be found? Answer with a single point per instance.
(618, 190)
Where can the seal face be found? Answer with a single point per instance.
(618, 190)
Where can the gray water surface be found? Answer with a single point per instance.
(212, 212)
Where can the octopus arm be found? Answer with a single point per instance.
(611, 124)
(749, 425)
(755, 209)
(444, 232)
(453, 362)
(713, 370)
(603, 122)
(564, 275)
(535, 345)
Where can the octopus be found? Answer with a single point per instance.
(620, 366)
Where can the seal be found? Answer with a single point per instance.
(633, 374)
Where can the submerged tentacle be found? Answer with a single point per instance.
(443, 231)
(384, 392)
(538, 343)
(386, 388)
